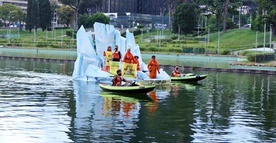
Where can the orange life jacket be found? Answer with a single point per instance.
(175, 73)
(128, 58)
(116, 55)
(153, 68)
(117, 80)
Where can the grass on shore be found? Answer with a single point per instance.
(46, 39)
(232, 40)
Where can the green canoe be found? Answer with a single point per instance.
(189, 78)
(128, 89)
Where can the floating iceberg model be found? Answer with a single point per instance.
(90, 59)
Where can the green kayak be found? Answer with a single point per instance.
(128, 89)
(189, 78)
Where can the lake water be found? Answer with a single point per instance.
(39, 103)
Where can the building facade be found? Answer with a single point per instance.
(20, 3)
(152, 7)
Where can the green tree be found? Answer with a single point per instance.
(88, 21)
(170, 4)
(270, 17)
(85, 20)
(74, 4)
(35, 14)
(6, 13)
(221, 9)
(17, 15)
(29, 24)
(65, 14)
(100, 17)
(32, 20)
(185, 17)
(44, 14)
(90, 6)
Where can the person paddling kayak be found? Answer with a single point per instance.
(176, 72)
(118, 79)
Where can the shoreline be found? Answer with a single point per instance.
(238, 63)
(230, 70)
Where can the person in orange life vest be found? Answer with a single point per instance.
(117, 80)
(108, 55)
(136, 61)
(153, 67)
(128, 58)
(176, 72)
(116, 56)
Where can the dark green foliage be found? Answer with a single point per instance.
(137, 32)
(1, 23)
(85, 20)
(29, 24)
(100, 17)
(140, 26)
(88, 21)
(225, 52)
(199, 50)
(65, 14)
(193, 50)
(187, 50)
(260, 57)
(167, 40)
(41, 44)
(35, 14)
(174, 50)
(143, 48)
(44, 14)
(71, 33)
(66, 27)
(270, 17)
(185, 18)
(32, 20)
(153, 49)
(174, 37)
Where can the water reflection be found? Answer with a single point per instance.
(40, 104)
(111, 117)
(32, 105)
(228, 111)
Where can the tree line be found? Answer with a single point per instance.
(184, 15)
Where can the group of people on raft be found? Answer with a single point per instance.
(116, 56)
(153, 65)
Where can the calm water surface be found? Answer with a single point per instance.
(40, 103)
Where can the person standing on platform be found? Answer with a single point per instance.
(116, 56)
(136, 61)
(128, 58)
(108, 56)
(153, 67)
